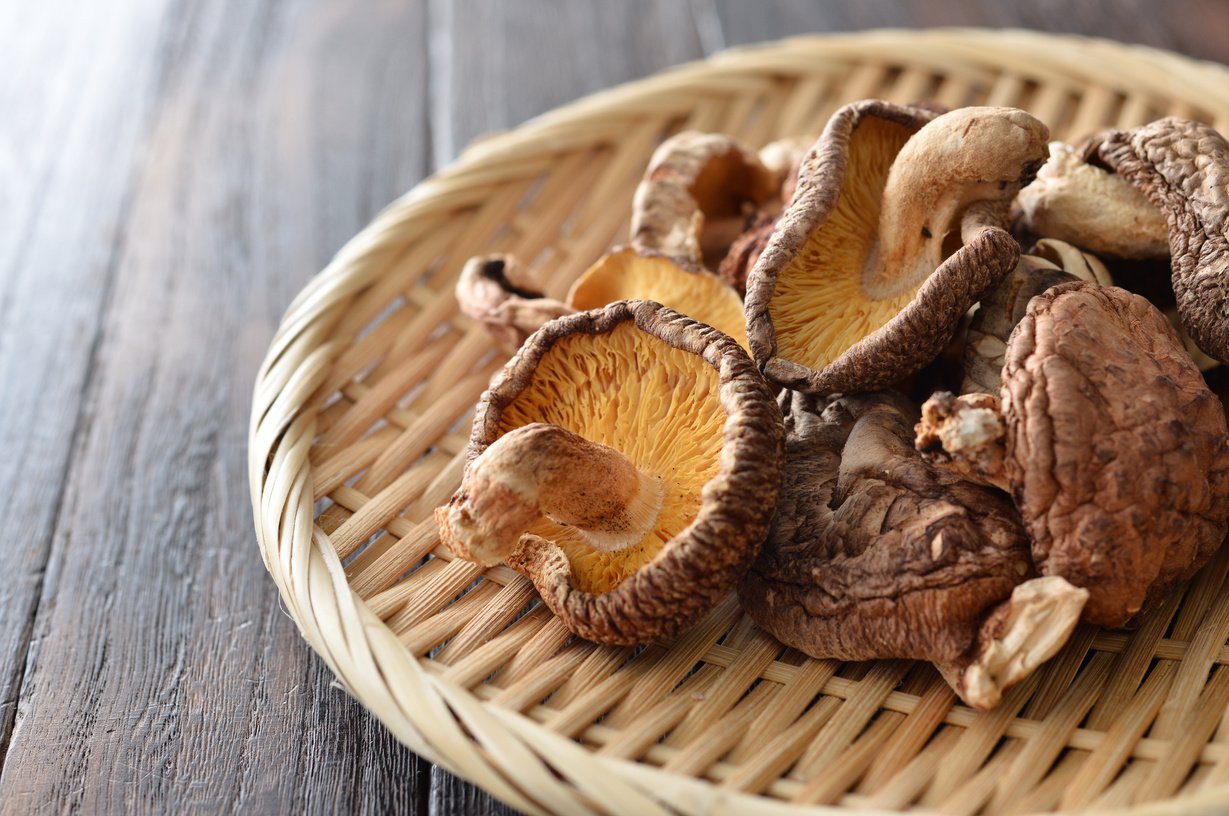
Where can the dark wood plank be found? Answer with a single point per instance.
(61, 215)
(1198, 28)
(163, 676)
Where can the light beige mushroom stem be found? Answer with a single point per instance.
(970, 156)
(966, 435)
(1019, 635)
(543, 470)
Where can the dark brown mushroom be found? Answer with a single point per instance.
(873, 553)
(1182, 168)
(859, 285)
(627, 461)
(1109, 441)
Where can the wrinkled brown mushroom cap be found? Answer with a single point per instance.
(818, 318)
(1183, 169)
(1116, 449)
(873, 553)
(683, 402)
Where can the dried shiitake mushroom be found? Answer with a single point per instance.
(1109, 441)
(698, 194)
(894, 232)
(1182, 167)
(1178, 168)
(499, 293)
(1048, 264)
(627, 273)
(1086, 205)
(627, 461)
(874, 553)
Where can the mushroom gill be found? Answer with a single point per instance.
(656, 405)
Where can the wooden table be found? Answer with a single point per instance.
(171, 173)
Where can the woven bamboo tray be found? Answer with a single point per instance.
(361, 415)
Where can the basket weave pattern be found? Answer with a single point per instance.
(361, 415)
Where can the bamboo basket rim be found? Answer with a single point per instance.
(516, 758)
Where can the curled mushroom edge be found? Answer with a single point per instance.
(896, 229)
(627, 536)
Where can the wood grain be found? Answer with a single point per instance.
(60, 233)
(171, 174)
(230, 155)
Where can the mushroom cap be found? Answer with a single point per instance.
(631, 273)
(697, 183)
(496, 291)
(1085, 205)
(811, 322)
(1116, 450)
(683, 402)
(1183, 169)
(874, 553)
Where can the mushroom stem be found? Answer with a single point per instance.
(1016, 637)
(543, 470)
(970, 156)
(965, 435)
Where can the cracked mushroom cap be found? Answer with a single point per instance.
(1109, 441)
(627, 461)
(699, 191)
(874, 553)
(859, 286)
(1182, 167)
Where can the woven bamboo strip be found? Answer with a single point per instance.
(363, 402)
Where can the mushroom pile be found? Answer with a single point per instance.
(931, 388)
